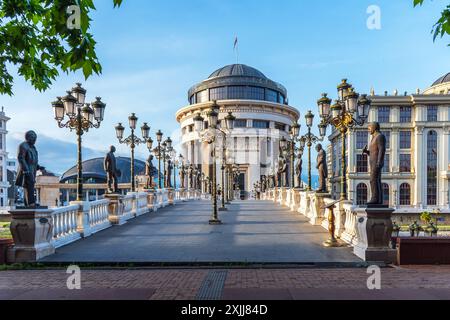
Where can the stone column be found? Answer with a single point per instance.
(115, 209)
(83, 224)
(32, 231)
(374, 232)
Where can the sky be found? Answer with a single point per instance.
(153, 51)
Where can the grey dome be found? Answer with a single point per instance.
(237, 81)
(236, 70)
(93, 169)
(441, 80)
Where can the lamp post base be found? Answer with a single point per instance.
(215, 222)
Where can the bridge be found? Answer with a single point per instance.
(171, 227)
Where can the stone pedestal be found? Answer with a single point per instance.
(317, 203)
(151, 199)
(32, 232)
(171, 196)
(374, 230)
(115, 209)
(83, 227)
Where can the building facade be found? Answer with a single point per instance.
(4, 184)
(417, 164)
(262, 113)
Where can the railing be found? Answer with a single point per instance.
(349, 235)
(99, 215)
(65, 224)
(128, 206)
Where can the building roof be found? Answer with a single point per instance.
(237, 75)
(93, 168)
(237, 70)
(441, 80)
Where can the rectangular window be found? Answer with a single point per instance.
(280, 98)
(271, 95)
(279, 126)
(384, 114)
(387, 134)
(260, 124)
(362, 165)
(218, 93)
(256, 93)
(362, 138)
(236, 92)
(405, 139)
(405, 163)
(240, 123)
(387, 163)
(405, 114)
(432, 113)
(202, 96)
(269, 147)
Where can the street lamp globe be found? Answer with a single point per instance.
(363, 107)
(79, 93)
(169, 143)
(324, 104)
(133, 121)
(343, 88)
(87, 113)
(213, 117)
(323, 129)
(351, 101)
(159, 136)
(180, 159)
(229, 121)
(296, 129)
(198, 122)
(58, 108)
(69, 104)
(336, 110)
(149, 144)
(119, 131)
(309, 119)
(283, 143)
(145, 131)
(99, 109)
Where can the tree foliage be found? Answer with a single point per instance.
(35, 39)
(442, 26)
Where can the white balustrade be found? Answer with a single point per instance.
(65, 225)
(128, 206)
(99, 215)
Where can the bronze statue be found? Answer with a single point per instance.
(149, 171)
(298, 171)
(182, 174)
(198, 180)
(190, 176)
(112, 173)
(323, 169)
(376, 153)
(168, 174)
(282, 171)
(27, 156)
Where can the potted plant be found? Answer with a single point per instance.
(414, 229)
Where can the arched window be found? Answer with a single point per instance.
(386, 195)
(361, 194)
(405, 194)
(432, 143)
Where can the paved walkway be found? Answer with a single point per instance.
(253, 231)
(228, 284)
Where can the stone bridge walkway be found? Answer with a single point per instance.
(253, 232)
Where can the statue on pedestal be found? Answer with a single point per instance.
(198, 178)
(149, 171)
(168, 174)
(112, 173)
(322, 168)
(182, 174)
(282, 171)
(190, 176)
(298, 171)
(376, 153)
(27, 156)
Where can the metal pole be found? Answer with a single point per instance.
(133, 183)
(215, 218)
(159, 165)
(164, 166)
(344, 165)
(309, 160)
(80, 159)
(292, 163)
(174, 176)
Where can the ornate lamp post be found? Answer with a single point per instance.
(210, 136)
(82, 117)
(132, 141)
(157, 153)
(308, 140)
(348, 111)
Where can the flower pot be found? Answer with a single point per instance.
(4, 245)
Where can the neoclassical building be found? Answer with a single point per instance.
(4, 184)
(417, 163)
(262, 113)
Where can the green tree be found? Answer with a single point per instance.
(36, 41)
(442, 26)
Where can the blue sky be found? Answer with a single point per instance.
(153, 51)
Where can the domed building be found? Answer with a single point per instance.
(417, 163)
(262, 113)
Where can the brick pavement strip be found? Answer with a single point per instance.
(177, 284)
